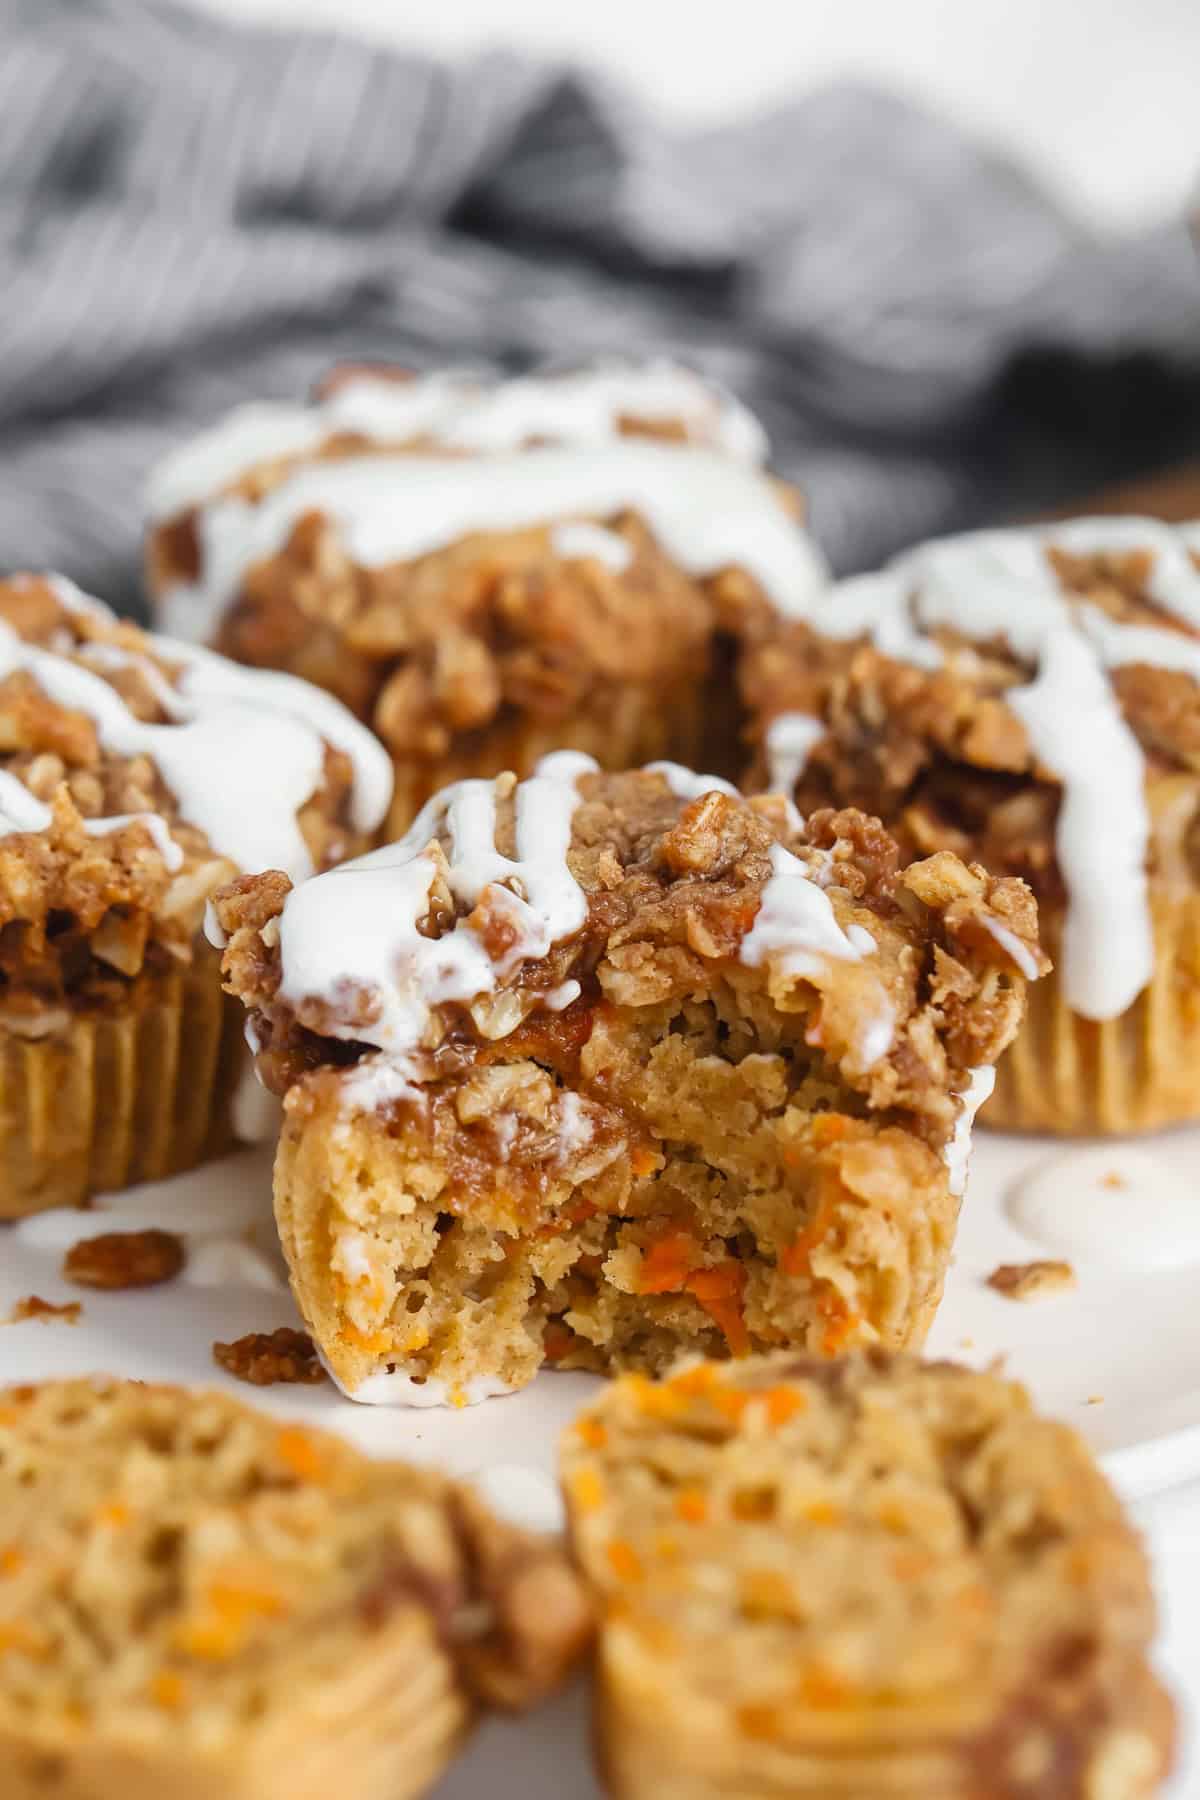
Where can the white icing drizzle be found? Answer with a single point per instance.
(567, 765)
(789, 742)
(796, 923)
(243, 752)
(1001, 585)
(958, 1151)
(1116, 1204)
(706, 509)
(462, 409)
(797, 929)
(254, 1111)
(22, 811)
(584, 540)
(685, 784)
(355, 929)
(395, 1387)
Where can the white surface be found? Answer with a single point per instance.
(1098, 96)
(1127, 1337)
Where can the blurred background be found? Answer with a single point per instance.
(942, 248)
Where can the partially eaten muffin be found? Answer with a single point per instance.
(594, 1068)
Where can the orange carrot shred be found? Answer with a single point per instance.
(624, 1560)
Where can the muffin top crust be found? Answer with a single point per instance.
(510, 914)
(887, 1534)
(468, 544)
(137, 775)
(167, 1551)
(1030, 698)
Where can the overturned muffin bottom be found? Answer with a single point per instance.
(197, 1600)
(865, 1580)
(692, 1178)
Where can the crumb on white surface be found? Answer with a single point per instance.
(1040, 1280)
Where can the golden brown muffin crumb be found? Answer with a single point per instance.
(265, 1359)
(125, 1259)
(45, 1311)
(1041, 1280)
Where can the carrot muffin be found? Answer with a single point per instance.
(594, 1068)
(136, 776)
(871, 1579)
(198, 1601)
(1031, 699)
(488, 570)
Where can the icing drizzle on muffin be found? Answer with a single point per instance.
(1002, 586)
(241, 750)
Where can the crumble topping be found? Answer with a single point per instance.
(618, 890)
(1039, 1280)
(118, 1260)
(135, 777)
(44, 1311)
(1009, 696)
(268, 1358)
(545, 535)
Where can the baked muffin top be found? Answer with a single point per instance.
(826, 1544)
(467, 542)
(177, 1565)
(1030, 698)
(510, 913)
(137, 775)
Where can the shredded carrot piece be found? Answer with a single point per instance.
(731, 1403)
(295, 1448)
(114, 1514)
(168, 1690)
(783, 1404)
(719, 1292)
(642, 1161)
(220, 1629)
(829, 1128)
(16, 1635)
(624, 1560)
(824, 1690)
(373, 1342)
(797, 1258)
(592, 1432)
(823, 1512)
(12, 1560)
(587, 1490)
(841, 1322)
(691, 1507)
(700, 1379)
(665, 1264)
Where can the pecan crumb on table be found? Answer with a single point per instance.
(125, 1259)
(1033, 1280)
(265, 1358)
(34, 1307)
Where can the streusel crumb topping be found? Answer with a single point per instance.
(903, 979)
(116, 825)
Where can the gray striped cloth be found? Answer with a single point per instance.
(193, 214)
